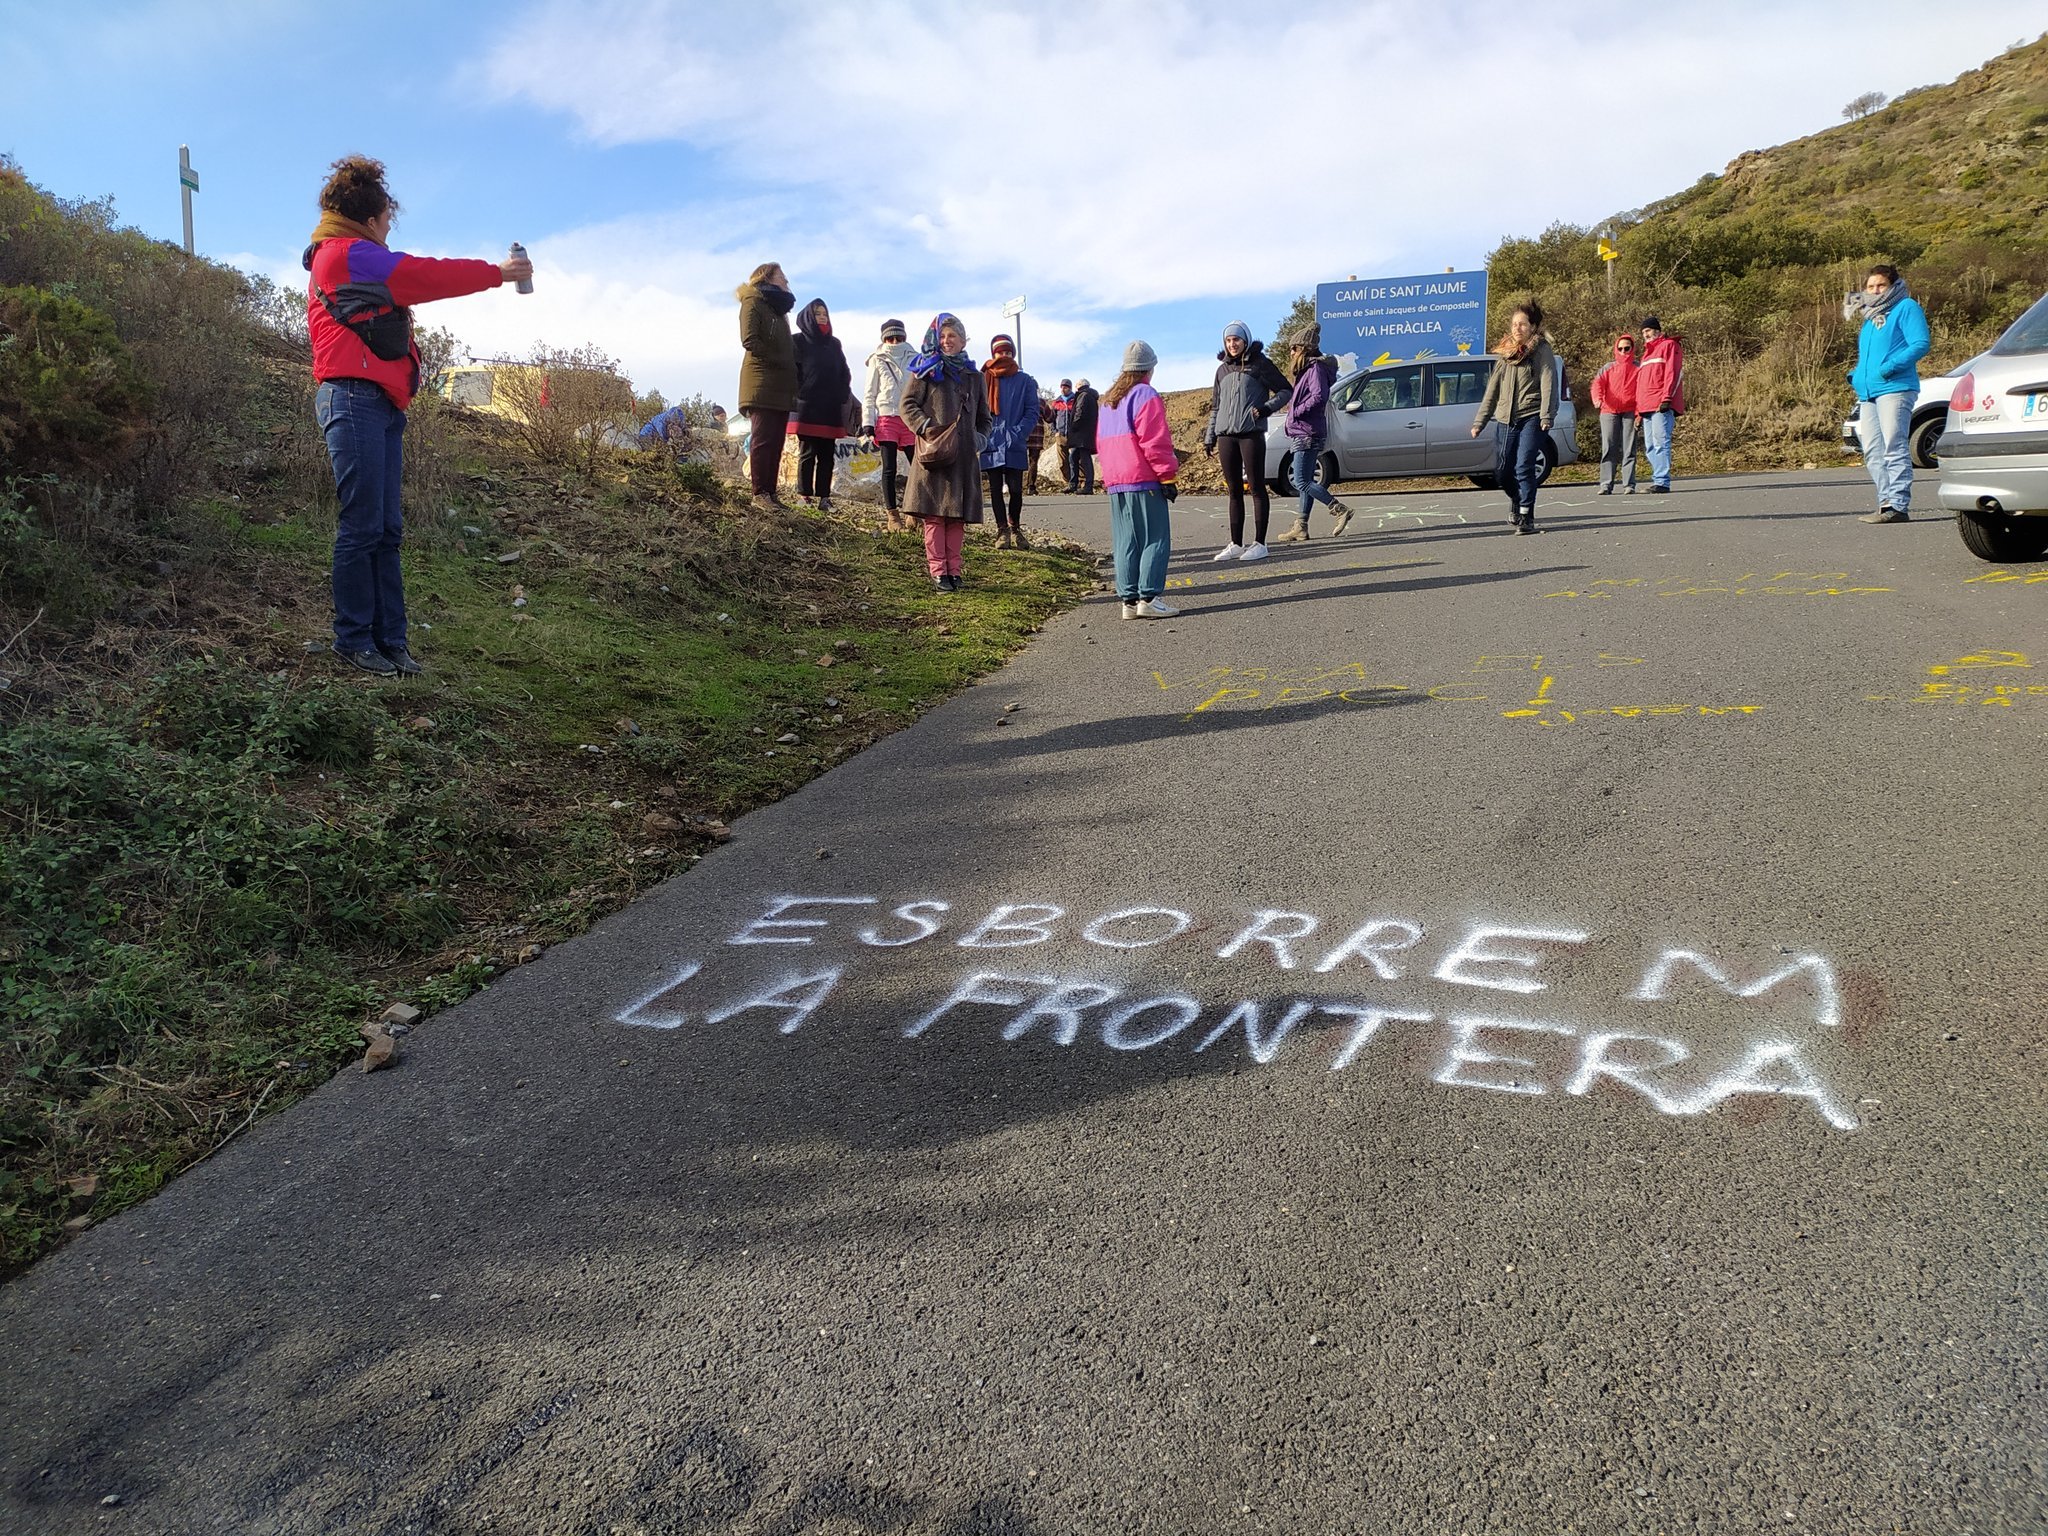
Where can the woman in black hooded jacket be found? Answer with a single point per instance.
(1248, 390)
(824, 385)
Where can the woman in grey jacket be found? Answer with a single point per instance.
(1248, 389)
(1521, 395)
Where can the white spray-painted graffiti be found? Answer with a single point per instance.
(1528, 1056)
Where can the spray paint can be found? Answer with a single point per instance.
(517, 253)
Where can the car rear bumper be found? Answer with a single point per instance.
(2007, 469)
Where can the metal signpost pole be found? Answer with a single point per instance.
(1014, 310)
(188, 183)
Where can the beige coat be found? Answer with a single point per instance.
(1516, 391)
(929, 407)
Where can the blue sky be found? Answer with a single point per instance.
(1135, 167)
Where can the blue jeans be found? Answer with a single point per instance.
(1657, 427)
(1306, 456)
(366, 442)
(1885, 425)
(1143, 532)
(1515, 462)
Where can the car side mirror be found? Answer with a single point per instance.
(1353, 407)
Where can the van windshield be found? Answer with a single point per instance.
(2029, 333)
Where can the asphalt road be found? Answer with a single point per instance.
(1579, 1067)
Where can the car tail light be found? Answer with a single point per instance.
(1965, 396)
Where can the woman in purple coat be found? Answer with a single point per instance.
(1308, 427)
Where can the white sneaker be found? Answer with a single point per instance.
(1130, 611)
(1256, 552)
(1154, 608)
(1229, 552)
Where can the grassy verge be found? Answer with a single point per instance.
(219, 855)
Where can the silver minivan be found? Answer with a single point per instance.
(1399, 419)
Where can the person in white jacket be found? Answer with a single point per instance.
(882, 412)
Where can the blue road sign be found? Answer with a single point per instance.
(1400, 319)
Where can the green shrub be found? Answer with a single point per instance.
(1973, 178)
(71, 395)
(227, 714)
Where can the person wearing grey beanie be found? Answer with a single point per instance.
(1248, 389)
(1139, 468)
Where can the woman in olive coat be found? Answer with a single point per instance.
(768, 376)
(945, 389)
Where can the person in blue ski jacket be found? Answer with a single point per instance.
(1013, 408)
(1886, 378)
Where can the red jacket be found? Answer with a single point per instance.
(1661, 376)
(338, 353)
(1614, 386)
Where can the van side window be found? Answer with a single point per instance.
(1460, 383)
(1389, 389)
(471, 389)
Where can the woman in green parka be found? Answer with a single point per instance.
(768, 376)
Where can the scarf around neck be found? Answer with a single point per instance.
(994, 371)
(333, 226)
(931, 363)
(1877, 308)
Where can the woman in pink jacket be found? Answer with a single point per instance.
(1139, 467)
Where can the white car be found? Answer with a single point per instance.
(1994, 455)
(1930, 414)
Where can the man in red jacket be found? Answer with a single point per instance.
(1660, 399)
(367, 369)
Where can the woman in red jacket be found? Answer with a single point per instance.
(367, 369)
(1614, 394)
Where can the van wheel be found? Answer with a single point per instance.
(2003, 539)
(1283, 482)
(1326, 471)
(1921, 440)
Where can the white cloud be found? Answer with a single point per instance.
(1128, 153)
(902, 156)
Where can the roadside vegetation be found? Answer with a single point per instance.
(1949, 182)
(219, 855)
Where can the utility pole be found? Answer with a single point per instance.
(188, 183)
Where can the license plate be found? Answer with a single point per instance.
(2035, 408)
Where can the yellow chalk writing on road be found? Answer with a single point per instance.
(1749, 584)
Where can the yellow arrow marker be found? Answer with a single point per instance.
(1384, 357)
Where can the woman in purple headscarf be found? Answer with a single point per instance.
(945, 405)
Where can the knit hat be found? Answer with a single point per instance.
(1652, 323)
(1069, 383)
(1083, 384)
(999, 341)
(1310, 336)
(1240, 330)
(892, 330)
(1137, 358)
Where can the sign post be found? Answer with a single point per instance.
(188, 183)
(1608, 256)
(1014, 310)
(1402, 319)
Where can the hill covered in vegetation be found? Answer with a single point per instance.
(220, 854)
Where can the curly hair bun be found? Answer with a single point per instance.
(355, 189)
